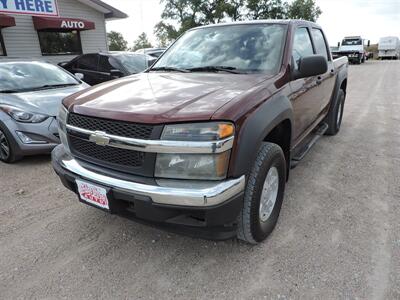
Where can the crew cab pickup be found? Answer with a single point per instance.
(202, 142)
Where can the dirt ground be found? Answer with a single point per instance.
(338, 236)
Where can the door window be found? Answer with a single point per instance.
(2, 46)
(302, 46)
(88, 62)
(319, 42)
(104, 64)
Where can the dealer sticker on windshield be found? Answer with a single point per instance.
(93, 194)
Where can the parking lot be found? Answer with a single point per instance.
(338, 235)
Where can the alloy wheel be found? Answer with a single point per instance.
(269, 194)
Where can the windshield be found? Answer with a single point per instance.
(351, 42)
(246, 48)
(28, 76)
(134, 63)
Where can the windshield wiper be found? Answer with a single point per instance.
(38, 88)
(10, 91)
(49, 86)
(215, 69)
(169, 69)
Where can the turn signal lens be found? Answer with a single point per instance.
(225, 130)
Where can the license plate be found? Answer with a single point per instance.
(93, 194)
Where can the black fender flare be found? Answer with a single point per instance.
(340, 78)
(256, 127)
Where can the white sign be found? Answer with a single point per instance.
(29, 7)
(72, 24)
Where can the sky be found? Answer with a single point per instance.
(371, 19)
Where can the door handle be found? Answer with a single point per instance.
(332, 72)
(319, 80)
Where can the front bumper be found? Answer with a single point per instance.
(205, 209)
(45, 132)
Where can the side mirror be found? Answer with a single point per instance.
(338, 44)
(80, 76)
(114, 74)
(312, 65)
(369, 43)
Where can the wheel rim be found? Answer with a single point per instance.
(4, 146)
(339, 115)
(269, 194)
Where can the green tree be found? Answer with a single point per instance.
(304, 9)
(141, 42)
(234, 9)
(266, 9)
(192, 13)
(116, 41)
(165, 33)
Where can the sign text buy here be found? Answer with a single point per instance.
(29, 7)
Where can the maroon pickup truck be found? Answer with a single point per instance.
(203, 141)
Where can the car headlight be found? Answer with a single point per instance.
(62, 129)
(198, 131)
(20, 115)
(212, 166)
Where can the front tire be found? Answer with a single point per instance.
(263, 195)
(7, 147)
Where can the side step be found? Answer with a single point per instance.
(302, 152)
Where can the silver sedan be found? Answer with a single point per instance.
(30, 95)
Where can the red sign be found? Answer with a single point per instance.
(42, 23)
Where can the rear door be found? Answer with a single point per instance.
(87, 65)
(105, 68)
(304, 99)
(325, 81)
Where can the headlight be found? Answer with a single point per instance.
(62, 129)
(62, 117)
(195, 166)
(23, 116)
(198, 131)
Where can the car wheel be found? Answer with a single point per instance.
(263, 195)
(335, 115)
(7, 147)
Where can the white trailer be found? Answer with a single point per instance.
(389, 47)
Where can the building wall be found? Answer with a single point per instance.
(22, 40)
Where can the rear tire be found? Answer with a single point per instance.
(335, 115)
(263, 195)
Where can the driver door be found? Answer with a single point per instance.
(304, 96)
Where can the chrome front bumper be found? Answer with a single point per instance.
(168, 192)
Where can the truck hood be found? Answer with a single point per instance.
(162, 97)
(44, 101)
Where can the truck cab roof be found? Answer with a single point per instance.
(292, 22)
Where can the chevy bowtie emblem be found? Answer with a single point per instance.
(100, 138)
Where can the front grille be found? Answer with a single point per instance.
(109, 155)
(120, 128)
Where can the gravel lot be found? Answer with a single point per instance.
(338, 236)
